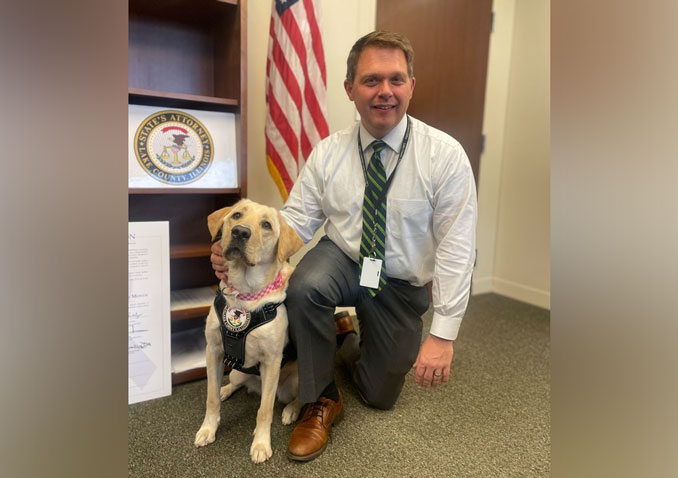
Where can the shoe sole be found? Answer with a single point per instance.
(316, 454)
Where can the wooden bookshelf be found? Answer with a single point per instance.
(184, 251)
(189, 54)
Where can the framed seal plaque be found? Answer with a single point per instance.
(175, 148)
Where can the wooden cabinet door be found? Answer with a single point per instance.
(451, 41)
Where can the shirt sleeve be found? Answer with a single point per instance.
(303, 208)
(454, 229)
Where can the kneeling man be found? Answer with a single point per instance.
(398, 201)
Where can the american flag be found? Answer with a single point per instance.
(296, 89)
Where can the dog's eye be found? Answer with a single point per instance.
(236, 215)
(266, 225)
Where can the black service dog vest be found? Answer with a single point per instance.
(236, 324)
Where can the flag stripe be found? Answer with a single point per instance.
(310, 75)
(306, 146)
(315, 74)
(284, 127)
(316, 39)
(281, 36)
(276, 139)
(272, 153)
(290, 82)
(285, 71)
(295, 89)
(292, 29)
(294, 112)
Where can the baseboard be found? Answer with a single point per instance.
(481, 285)
(484, 285)
(521, 292)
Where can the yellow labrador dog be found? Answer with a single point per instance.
(247, 325)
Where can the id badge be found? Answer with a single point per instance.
(371, 272)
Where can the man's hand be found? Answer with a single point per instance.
(218, 262)
(433, 362)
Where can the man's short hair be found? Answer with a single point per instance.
(379, 39)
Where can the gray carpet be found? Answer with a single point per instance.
(492, 419)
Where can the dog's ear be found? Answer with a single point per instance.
(214, 220)
(288, 242)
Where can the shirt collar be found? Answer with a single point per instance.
(394, 138)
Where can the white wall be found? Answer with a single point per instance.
(494, 126)
(513, 229)
(522, 259)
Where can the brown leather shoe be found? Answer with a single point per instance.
(310, 436)
(343, 323)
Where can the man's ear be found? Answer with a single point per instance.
(349, 89)
(215, 220)
(288, 242)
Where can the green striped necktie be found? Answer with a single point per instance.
(373, 241)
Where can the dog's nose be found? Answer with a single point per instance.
(240, 232)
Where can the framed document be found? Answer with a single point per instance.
(148, 312)
(181, 148)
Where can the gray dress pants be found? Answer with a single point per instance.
(390, 326)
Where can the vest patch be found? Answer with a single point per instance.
(236, 320)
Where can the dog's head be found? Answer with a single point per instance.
(253, 233)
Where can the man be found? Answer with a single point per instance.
(399, 213)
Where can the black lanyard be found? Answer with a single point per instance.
(403, 145)
(383, 193)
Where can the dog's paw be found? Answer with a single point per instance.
(260, 452)
(291, 412)
(204, 437)
(226, 391)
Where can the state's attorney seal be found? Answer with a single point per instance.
(236, 320)
(173, 147)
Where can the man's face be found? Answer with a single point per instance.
(381, 89)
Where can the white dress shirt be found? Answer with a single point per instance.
(430, 213)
